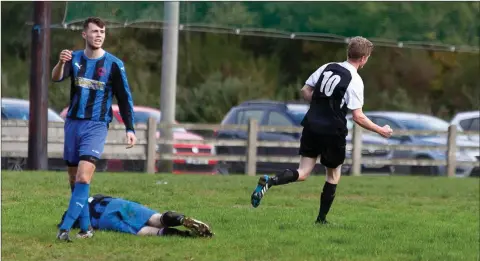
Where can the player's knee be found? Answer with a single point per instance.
(89, 158)
(86, 168)
(303, 174)
(333, 174)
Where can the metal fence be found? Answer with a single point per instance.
(15, 145)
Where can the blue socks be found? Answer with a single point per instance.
(84, 218)
(78, 207)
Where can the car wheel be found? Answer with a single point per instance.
(424, 170)
(101, 166)
(133, 165)
(222, 168)
(16, 164)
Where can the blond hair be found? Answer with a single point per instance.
(358, 47)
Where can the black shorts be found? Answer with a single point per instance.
(330, 148)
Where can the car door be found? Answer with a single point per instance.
(472, 124)
(242, 117)
(404, 140)
(279, 119)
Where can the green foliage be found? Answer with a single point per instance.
(452, 23)
(209, 101)
(218, 71)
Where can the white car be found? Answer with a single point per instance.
(468, 121)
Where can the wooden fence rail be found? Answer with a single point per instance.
(15, 144)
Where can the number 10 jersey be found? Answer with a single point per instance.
(337, 87)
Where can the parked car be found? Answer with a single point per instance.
(415, 121)
(272, 113)
(18, 109)
(468, 121)
(195, 165)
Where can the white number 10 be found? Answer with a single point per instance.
(329, 83)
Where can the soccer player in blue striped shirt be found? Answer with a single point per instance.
(96, 76)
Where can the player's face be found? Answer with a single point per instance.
(94, 36)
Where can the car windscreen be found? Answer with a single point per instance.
(428, 124)
(21, 112)
(141, 117)
(297, 112)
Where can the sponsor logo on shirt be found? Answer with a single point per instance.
(89, 84)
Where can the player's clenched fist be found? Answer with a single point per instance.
(386, 131)
(65, 56)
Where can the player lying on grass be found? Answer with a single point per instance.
(120, 215)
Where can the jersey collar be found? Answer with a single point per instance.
(347, 64)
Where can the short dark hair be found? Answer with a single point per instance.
(94, 20)
(358, 47)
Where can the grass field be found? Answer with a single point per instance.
(375, 218)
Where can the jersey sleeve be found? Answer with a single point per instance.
(121, 90)
(313, 79)
(67, 71)
(355, 95)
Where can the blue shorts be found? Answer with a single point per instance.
(83, 138)
(124, 216)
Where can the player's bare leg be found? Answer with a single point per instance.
(166, 231)
(155, 221)
(328, 193)
(72, 173)
(287, 176)
(305, 167)
(78, 207)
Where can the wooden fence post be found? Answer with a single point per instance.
(357, 151)
(251, 163)
(151, 145)
(452, 150)
(166, 133)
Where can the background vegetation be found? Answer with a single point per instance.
(217, 71)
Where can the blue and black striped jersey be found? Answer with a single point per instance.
(94, 82)
(97, 205)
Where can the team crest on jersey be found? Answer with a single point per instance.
(101, 71)
(89, 84)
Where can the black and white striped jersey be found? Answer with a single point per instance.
(337, 88)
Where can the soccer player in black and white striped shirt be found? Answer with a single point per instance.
(332, 90)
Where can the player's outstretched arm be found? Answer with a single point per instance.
(122, 92)
(354, 101)
(62, 69)
(361, 119)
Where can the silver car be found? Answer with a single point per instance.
(415, 121)
(468, 121)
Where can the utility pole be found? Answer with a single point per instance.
(39, 79)
(169, 77)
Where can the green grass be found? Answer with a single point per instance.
(375, 218)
